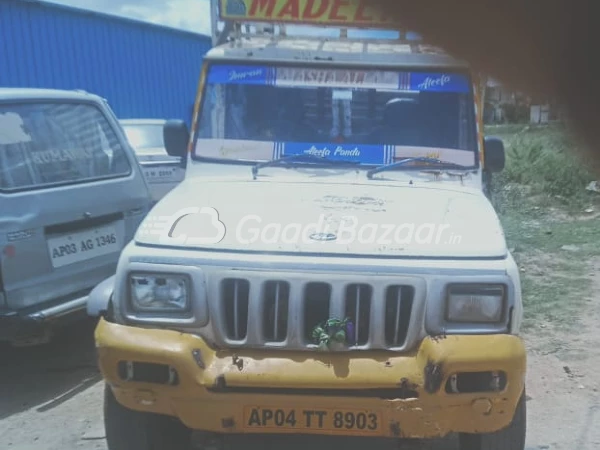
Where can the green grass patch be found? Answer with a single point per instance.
(542, 159)
(553, 256)
(550, 236)
(555, 297)
(540, 198)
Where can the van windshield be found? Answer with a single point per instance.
(259, 113)
(144, 136)
(49, 144)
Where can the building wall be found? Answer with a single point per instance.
(143, 70)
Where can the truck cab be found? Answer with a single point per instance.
(330, 265)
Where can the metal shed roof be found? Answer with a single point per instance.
(141, 69)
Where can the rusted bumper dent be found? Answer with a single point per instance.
(412, 395)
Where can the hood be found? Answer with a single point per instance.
(326, 218)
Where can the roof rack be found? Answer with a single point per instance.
(239, 27)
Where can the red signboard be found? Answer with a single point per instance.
(339, 13)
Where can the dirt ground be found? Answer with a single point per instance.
(51, 397)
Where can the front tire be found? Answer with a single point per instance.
(510, 438)
(132, 430)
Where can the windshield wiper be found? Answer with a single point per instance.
(303, 158)
(398, 164)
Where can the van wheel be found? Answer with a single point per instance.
(132, 430)
(510, 438)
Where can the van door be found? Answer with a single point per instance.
(71, 197)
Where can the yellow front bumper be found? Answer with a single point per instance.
(250, 391)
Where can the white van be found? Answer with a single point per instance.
(71, 197)
(162, 171)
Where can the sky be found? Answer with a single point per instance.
(190, 15)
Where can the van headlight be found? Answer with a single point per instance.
(159, 293)
(476, 303)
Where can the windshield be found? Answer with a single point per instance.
(261, 113)
(144, 136)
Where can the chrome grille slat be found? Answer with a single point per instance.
(296, 324)
(377, 317)
(276, 321)
(236, 299)
(264, 311)
(398, 308)
(357, 313)
(255, 309)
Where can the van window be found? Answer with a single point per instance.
(49, 144)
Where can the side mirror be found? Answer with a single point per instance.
(177, 137)
(494, 155)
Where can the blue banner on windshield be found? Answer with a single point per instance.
(349, 78)
(364, 154)
(221, 74)
(439, 82)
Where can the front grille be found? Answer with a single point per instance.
(283, 313)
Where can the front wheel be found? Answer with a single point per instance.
(509, 438)
(133, 430)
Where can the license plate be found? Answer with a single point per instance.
(322, 421)
(160, 174)
(84, 245)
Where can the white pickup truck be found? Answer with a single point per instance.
(330, 263)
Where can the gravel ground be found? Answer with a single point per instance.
(51, 397)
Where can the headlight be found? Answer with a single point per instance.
(159, 293)
(475, 303)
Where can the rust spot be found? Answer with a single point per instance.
(220, 382)
(198, 358)
(229, 422)
(395, 429)
(434, 375)
(238, 362)
(439, 337)
(408, 389)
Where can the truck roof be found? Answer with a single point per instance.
(377, 53)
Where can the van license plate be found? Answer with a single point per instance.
(327, 421)
(84, 245)
(160, 174)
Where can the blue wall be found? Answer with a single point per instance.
(143, 70)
